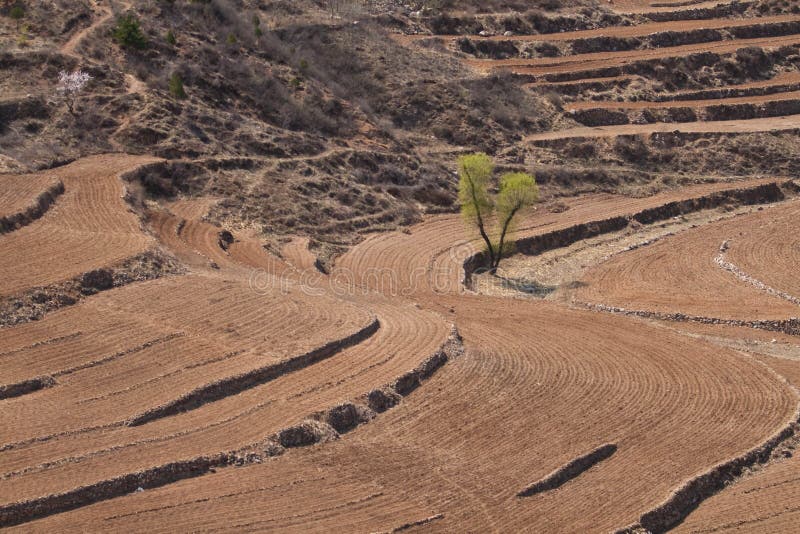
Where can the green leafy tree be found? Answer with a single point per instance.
(128, 33)
(493, 215)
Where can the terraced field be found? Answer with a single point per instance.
(249, 390)
(24, 198)
(90, 226)
(766, 501)
(485, 428)
(206, 368)
(603, 73)
(654, 279)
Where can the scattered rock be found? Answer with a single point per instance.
(347, 416)
(225, 239)
(306, 433)
(407, 383)
(97, 280)
(380, 400)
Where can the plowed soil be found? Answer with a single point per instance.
(655, 278)
(539, 386)
(638, 30)
(89, 227)
(20, 192)
(602, 60)
(528, 397)
(105, 400)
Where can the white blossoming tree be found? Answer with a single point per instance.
(70, 84)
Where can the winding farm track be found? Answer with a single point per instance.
(296, 252)
(105, 14)
(788, 123)
(637, 30)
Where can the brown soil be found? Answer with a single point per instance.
(279, 380)
(791, 95)
(601, 60)
(638, 30)
(651, 279)
(773, 124)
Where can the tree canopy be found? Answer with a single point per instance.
(493, 215)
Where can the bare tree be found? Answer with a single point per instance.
(70, 84)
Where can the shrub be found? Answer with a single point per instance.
(16, 13)
(128, 33)
(171, 38)
(176, 86)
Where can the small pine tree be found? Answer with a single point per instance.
(231, 39)
(128, 33)
(16, 13)
(176, 86)
(171, 38)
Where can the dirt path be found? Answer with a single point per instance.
(772, 124)
(639, 30)
(791, 95)
(602, 60)
(103, 13)
(297, 254)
